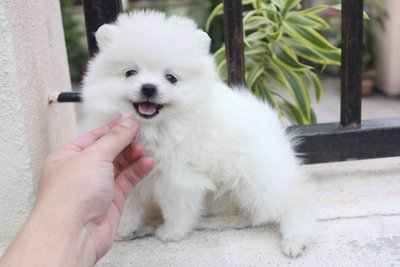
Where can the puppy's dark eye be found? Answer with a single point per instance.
(171, 78)
(130, 73)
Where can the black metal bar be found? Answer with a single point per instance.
(65, 97)
(69, 97)
(352, 39)
(233, 32)
(97, 13)
(331, 142)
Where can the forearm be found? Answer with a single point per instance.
(47, 240)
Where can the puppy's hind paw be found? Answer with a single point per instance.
(293, 248)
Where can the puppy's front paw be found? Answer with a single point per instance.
(169, 233)
(293, 248)
(143, 231)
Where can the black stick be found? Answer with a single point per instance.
(65, 97)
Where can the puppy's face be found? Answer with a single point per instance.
(148, 89)
(150, 66)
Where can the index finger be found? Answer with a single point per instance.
(109, 146)
(91, 137)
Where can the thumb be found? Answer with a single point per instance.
(109, 146)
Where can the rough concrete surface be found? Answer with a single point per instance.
(357, 205)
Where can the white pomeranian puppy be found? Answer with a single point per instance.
(206, 137)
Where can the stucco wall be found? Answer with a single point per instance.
(33, 62)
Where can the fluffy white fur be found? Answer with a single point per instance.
(206, 139)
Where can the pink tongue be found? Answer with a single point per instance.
(147, 108)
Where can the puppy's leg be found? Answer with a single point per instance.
(297, 223)
(257, 202)
(296, 228)
(181, 199)
(181, 211)
(132, 221)
(265, 204)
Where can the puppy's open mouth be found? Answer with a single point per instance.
(147, 109)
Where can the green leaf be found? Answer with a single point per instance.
(309, 36)
(271, 99)
(255, 51)
(313, 117)
(289, 4)
(313, 10)
(255, 22)
(316, 84)
(301, 94)
(320, 57)
(219, 55)
(267, 13)
(287, 59)
(255, 36)
(274, 80)
(220, 61)
(308, 21)
(296, 88)
(218, 10)
(222, 71)
(253, 74)
(274, 16)
(274, 33)
(293, 113)
(278, 3)
(256, 4)
(259, 89)
(322, 24)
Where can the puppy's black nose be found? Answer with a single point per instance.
(149, 89)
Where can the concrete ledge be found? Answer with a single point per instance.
(372, 241)
(358, 212)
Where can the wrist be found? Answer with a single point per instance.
(66, 235)
(49, 238)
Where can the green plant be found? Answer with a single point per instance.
(281, 42)
(73, 34)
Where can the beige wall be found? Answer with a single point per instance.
(33, 62)
(388, 61)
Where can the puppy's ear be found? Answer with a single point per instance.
(104, 35)
(205, 40)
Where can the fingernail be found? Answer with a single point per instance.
(129, 122)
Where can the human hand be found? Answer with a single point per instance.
(90, 178)
(81, 193)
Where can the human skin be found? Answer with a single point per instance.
(80, 199)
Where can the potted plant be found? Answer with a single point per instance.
(282, 44)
